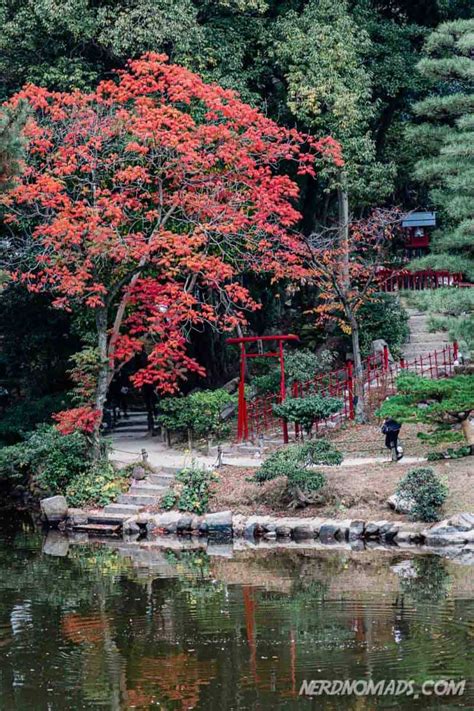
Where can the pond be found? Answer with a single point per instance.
(117, 625)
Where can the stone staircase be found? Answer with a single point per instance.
(421, 341)
(133, 426)
(142, 495)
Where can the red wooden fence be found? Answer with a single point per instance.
(396, 279)
(379, 378)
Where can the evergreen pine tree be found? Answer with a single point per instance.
(446, 138)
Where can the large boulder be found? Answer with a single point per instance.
(400, 504)
(378, 346)
(374, 529)
(445, 533)
(303, 531)
(219, 525)
(54, 509)
(462, 521)
(356, 530)
(328, 531)
(56, 544)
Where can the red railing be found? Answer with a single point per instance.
(397, 279)
(378, 379)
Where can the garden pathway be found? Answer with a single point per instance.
(125, 450)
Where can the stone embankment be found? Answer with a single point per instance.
(457, 530)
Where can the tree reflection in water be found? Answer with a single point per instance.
(116, 626)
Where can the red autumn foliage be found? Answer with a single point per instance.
(82, 419)
(143, 201)
(347, 271)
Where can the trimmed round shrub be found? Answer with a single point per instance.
(294, 463)
(426, 490)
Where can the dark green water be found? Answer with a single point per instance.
(91, 626)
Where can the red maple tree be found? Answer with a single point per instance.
(142, 202)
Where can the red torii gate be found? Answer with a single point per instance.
(242, 422)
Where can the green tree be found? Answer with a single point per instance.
(449, 401)
(305, 411)
(445, 134)
(322, 53)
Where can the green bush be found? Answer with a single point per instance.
(449, 453)
(192, 490)
(305, 410)
(99, 485)
(46, 458)
(315, 453)
(198, 414)
(267, 383)
(383, 317)
(294, 462)
(300, 366)
(428, 492)
(51, 463)
(441, 434)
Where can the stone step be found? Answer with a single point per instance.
(160, 479)
(138, 499)
(428, 337)
(130, 427)
(168, 470)
(147, 489)
(129, 509)
(412, 353)
(418, 320)
(103, 517)
(99, 529)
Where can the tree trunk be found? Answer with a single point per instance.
(358, 373)
(102, 378)
(343, 209)
(468, 431)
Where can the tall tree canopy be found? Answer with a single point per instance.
(141, 203)
(446, 136)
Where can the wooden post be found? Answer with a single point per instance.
(242, 421)
(294, 393)
(284, 425)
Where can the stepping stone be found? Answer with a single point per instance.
(101, 529)
(149, 489)
(107, 518)
(128, 509)
(138, 500)
(160, 479)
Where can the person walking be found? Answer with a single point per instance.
(150, 398)
(124, 395)
(391, 429)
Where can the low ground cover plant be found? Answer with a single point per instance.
(191, 491)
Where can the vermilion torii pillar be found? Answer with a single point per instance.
(242, 421)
